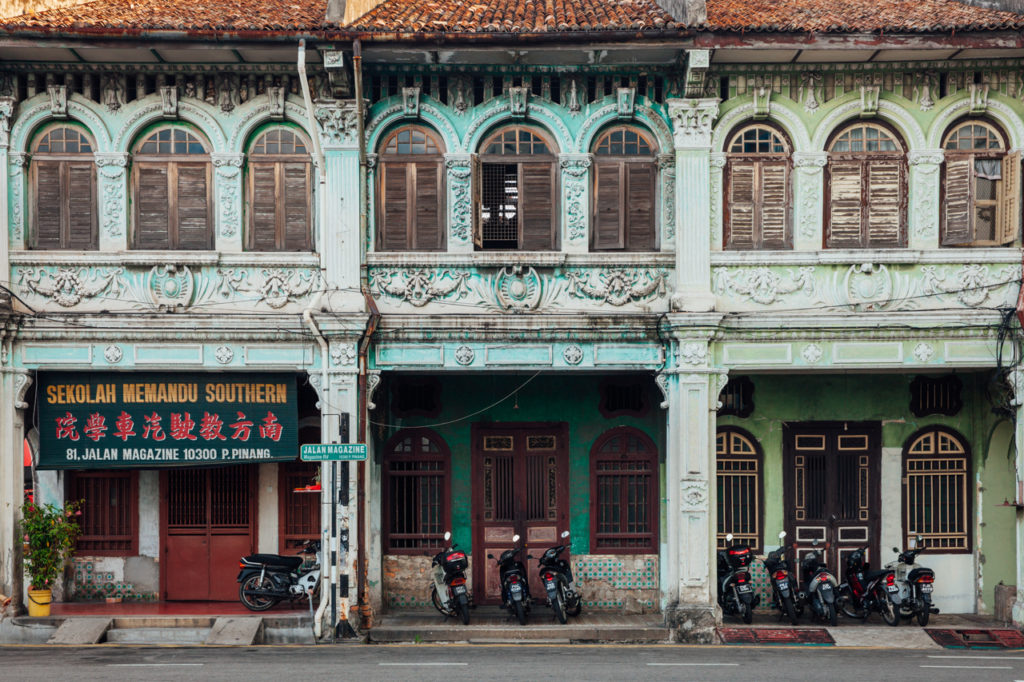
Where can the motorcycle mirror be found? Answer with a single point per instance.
(815, 542)
(490, 556)
(515, 538)
(728, 537)
(565, 533)
(782, 535)
(896, 549)
(447, 536)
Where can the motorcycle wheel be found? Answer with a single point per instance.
(830, 613)
(747, 613)
(436, 601)
(574, 605)
(558, 606)
(845, 604)
(890, 612)
(255, 602)
(463, 608)
(787, 606)
(520, 611)
(923, 614)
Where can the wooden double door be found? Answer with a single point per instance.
(208, 519)
(520, 486)
(832, 490)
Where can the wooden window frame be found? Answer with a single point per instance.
(624, 162)
(758, 160)
(651, 536)
(64, 161)
(724, 459)
(172, 162)
(278, 162)
(424, 541)
(132, 477)
(409, 163)
(948, 466)
(864, 160)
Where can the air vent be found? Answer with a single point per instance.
(619, 398)
(936, 395)
(737, 398)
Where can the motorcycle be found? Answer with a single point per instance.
(818, 587)
(515, 589)
(735, 589)
(865, 591)
(784, 587)
(556, 573)
(267, 579)
(448, 591)
(915, 584)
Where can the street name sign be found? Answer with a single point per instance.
(333, 452)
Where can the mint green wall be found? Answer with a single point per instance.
(545, 399)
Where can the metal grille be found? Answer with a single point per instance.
(300, 515)
(217, 499)
(935, 493)
(940, 395)
(415, 485)
(737, 397)
(500, 205)
(625, 492)
(109, 512)
(186, 499)
(739, 489)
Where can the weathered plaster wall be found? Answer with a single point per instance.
(266, 499)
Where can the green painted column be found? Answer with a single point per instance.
(227, 187)
(923, 211)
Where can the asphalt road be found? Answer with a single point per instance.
(523, 662)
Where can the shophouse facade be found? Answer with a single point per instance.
(646, 283)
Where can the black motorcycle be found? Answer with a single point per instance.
(735, 589)
(448, 591)
(865, 590)
(915, 584)
(784, 586)
(556, 573)
(818, 587)
(515, 589)
(267, 579)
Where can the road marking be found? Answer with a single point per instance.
(972, 667)
(421, 663)
(151, 665)
(693, 664)
(983, 658)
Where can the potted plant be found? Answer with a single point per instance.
(49, 535)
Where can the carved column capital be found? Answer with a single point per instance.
(934, 157)
(692, 121)
(338, 123)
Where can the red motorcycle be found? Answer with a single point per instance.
(865, 591)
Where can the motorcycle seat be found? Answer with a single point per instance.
(871, 575)
(288, 562)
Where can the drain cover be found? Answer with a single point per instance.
(977, 639)
(811, 636)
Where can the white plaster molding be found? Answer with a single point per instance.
(782, 114)
(148, 110)
(1000, 108)
(888, 111)
(432, 113)
(257, 112)
(372, 382)
(692, 122)
(608, 113)
(34, 111)
(944, 256)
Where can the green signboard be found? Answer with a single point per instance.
(334, 452)
(119, 420)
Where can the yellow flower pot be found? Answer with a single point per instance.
(39, 603)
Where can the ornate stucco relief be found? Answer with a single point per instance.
(113, 184)
(16, 178)
(575, 174)
(762, 285)
(617, 286)
(718, 160)
(229, 189)
(924, 191)
(418, 286)
(67, 287)
(667, 168)
(460, 197)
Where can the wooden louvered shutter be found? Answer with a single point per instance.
(263, 224)
(295, 205)
(81, 218)
(49, 201)
(1008, 196)
(844, 204)
(742, 193)
(427, 207)
(536, 207)
(608, 224)
(774, 205)
(885, 199)
(193, 207)
(640, 232)
(152, 206)
(957, 204)
(394, 206)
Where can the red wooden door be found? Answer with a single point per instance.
(209, 522)
(521, 475)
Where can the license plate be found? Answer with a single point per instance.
(515, 588)
(550, 584)
(783, 584)
(926, 588)
(826, 588)
(892, 588)
(743, 588)
(459, 589)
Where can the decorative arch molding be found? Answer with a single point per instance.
(256, 113)
(498, 114)
(150, 110)
(889, 111)
(608, 114)
(433, 116)
(999, 109)
(782, 114)
(38, 114)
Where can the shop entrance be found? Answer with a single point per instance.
(521, 485)
(208, 518)
(832, 489)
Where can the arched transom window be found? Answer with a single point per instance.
(740, 502)
(936, 491)
(517, 192)
(757, 206)
(62, 207)
(625, 176)
(279, 184)
(410, 209)
(866, 188)
(980, 203)
(172, 198)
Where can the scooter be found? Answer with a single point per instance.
(818, 587)
(784, 586)
(865, 591)
(515, 589)
(915, 584)
(448, 591)
(556, 573)
(267, 579)
(735, 589)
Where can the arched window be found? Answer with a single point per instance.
(625, 178)
(980, 187)
(624, 493)
(740, 487)
(62, 205)
(757, 205)
(172, 197)
(867, 188)
(517, 187)
(410, 212)
(416, 492)
(279, 173)
(936, 496)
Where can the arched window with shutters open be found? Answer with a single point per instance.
(867, 188)
(517, 192)
(410, 213)
(625, 181)
(757, 189)
(279, 173)
(981, 183)
(173, 205)
(63, 190)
